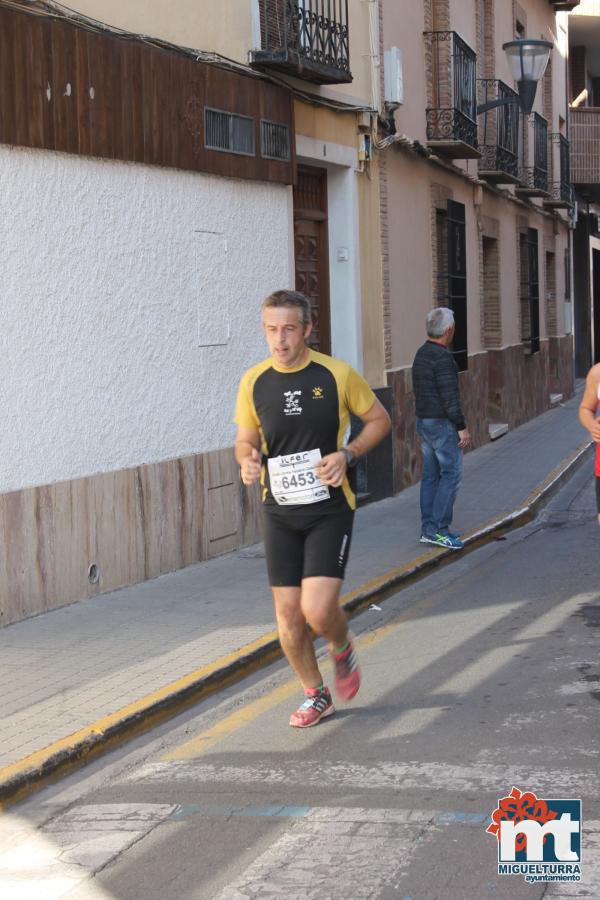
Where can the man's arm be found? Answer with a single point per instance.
(247, 445)
(589, 402)
(446, 381)
(377, 424)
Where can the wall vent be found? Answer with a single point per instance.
(274, 140)
(228, 132)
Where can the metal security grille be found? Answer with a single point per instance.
(457, 280)
(499, 130)
(308, 38)
(228, 132)
(274, 140)
(452, 113)
(540, 155)
(451, 274)
(530, 290)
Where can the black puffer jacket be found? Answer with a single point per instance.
(435, 383)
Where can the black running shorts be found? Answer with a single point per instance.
(298, 546)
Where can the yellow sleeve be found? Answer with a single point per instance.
(245, 412)
(359, 396)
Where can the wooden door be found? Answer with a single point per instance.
(312, 251)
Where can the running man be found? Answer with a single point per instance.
(293, 417)
(589, 406)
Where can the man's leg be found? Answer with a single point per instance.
(430, 477)
(320, 605)
(450, 461)
(300, 653)
(294, 637)
(326, 551)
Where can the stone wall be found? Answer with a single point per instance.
(500, 386)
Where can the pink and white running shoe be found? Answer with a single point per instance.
(318, 705)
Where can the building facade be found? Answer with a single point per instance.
(584, 95)
(152, 196)
(478, 212)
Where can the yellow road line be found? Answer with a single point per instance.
(251, 712)
(37, 759)
(77, 740)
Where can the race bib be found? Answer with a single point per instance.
(294, 480)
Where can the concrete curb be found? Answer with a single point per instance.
(46, 766)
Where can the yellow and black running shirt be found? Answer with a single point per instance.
(296, 410)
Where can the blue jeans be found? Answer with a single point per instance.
(442, 471)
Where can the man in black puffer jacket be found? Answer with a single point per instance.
(441, 427)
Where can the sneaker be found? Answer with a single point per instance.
(318, 705)
(450, 541)
(347, 672)
(427, 539)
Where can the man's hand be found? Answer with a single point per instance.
(464, 439)
(331, 469)
(250, 467)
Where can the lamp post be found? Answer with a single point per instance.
(528, 59)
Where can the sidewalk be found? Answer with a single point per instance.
(80, 677)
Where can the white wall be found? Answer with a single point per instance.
(113, 276)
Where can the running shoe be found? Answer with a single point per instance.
(318, 705)
(347, 672)
(450, 541)
(427, 539)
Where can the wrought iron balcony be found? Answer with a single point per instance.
(305, 38)
(452, 110)
(534, 179)
(499, 133)
(561, 191)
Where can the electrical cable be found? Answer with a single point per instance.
(59, 12)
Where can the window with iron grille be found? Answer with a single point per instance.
(567, 263)
(530, 296)
(274, 140)
(451, 273)
(229, 132)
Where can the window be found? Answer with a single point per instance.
(492, 308)
(551, 306)
(451, 273)
(567, 264)
(274, 140)
(228, 132)
(530, 290)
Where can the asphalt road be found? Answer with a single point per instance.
(479, 678)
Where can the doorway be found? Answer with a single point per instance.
(311, 250)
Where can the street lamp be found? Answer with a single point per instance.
(528, 60)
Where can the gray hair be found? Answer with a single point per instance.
(292, 299)
(438, 321)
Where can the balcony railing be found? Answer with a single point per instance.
(561, 191)
(451, 114)
(499, 133)
(534, 179)
(305, 38)
(585, 145)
